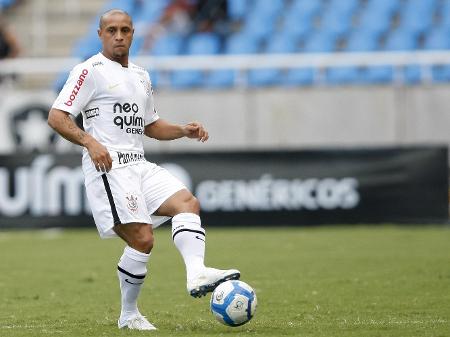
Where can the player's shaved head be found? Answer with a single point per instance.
(107, 14)
(116, 32)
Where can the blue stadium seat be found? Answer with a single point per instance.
(259, 26)
(220, 79)
(320, 42)
(60, 81)
(296, 25)
(445, 21)
(150, 11)
(306, 9)
(136, 46)
(238, 43)
(6, 3)
(445, 15)
(385, 7)
(377, 75)
(412, 74)
(166, 45)
(441, 74)
(182, 79)
(203, 44)
(375, 22)
(338, 24)
(428, 6)
(86, 47)
(401, 40)
(417, 16)
(298, 77)
(264, 7)
(282, 43)
(343, 75)
(237, 9)
(362, 41)
(279, 44)
(126, 5)
(344, 7)
(241, 43)
(437, 39)
(198, 44)
(155, 77)
(416, 23)
(264, 77)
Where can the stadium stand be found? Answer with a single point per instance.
(6, 3)
(300, 26)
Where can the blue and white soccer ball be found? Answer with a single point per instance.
(233, 303)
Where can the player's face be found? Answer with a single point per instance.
(116, 35)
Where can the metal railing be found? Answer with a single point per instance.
(243, 63)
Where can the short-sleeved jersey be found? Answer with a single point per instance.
(116, 103)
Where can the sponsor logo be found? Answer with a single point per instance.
(129, 157)
(98, 63)
(113, 86)
(128, 119)
(77, 87)
(91, 113)
(128, 281)
(132, 203)
(270, 194)
(199, 238)
(43, 189)
(29, 128)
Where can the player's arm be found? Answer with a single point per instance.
(62, 123)
(163, 130)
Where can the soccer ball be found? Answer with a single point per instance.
(233, 303)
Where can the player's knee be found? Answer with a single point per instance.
(194, 205)
(144, 243)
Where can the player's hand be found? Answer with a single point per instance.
(100, 156)
(196, 130)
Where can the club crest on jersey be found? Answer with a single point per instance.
(147, 87)
(132, 203)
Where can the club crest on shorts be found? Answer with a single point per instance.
(132, 203)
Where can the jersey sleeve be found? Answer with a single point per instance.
(77, 91)
(150, 111)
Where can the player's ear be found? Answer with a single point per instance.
(99, 32)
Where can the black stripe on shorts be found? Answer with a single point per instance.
(111, 200)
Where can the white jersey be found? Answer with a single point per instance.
(116, 103)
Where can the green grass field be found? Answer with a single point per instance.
(328, 281)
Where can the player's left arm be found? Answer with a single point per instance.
(163, 130)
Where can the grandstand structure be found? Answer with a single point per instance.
(300, 27)
(353, 29)
(293, 73)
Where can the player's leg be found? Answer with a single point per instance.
(132, 270)
(119, 208)
(190, 240)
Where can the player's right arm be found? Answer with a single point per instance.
(77, 93)
(62, 123)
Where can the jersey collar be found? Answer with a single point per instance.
(117, 64)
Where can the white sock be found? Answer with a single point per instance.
(189, 238)
(131, 270)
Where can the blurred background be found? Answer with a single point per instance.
(320, 111)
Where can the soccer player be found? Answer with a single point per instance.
(124, 190)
